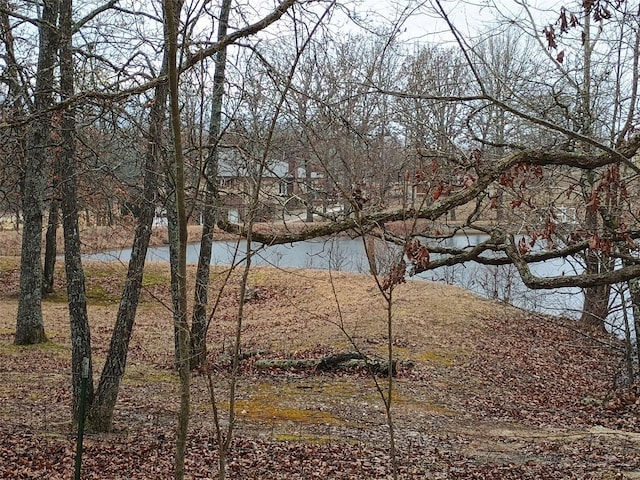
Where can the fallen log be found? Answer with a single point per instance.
(331, 363)
(285, 364)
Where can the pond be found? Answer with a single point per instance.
(346, 254)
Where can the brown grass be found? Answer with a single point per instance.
(94, 238)
(475, 376)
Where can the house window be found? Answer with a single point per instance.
(284, 188)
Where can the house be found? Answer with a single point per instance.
(237, 179)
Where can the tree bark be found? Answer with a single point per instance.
(634, 293)
(29, 322)
(200, 321)
(596, 299)
(309, 190)
(78, 317)
(173, 234)
(16, 103)
(595, 308)
(172, 13)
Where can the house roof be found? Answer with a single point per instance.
(231, 166)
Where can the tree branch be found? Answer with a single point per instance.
(563, 281)
(191, 61)
(93, 14)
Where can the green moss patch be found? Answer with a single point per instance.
(8, 263)
(95, 271)
(152, 279)
(46, 347)
(96, 295)
(267, 405)
(430, 356)
(140, 375)
(257, 277)
(259, 409)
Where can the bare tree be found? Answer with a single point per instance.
(200, 321)
(172, 12)
(29, 324)
(539, 154)
(101, 412)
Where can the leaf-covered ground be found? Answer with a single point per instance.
(484, 391)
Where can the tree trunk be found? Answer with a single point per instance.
(101, 413)
(309, 188)
(172, 231)
(14, 108)
(596, 299)
(370, 251)
(29, 322)
(172, 13)
(200, 321)
(595, 308)
(79, 320)
(634, 293)
(50, 250)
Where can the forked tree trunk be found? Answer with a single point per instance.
(101, 413)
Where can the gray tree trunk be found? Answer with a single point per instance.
(101, 412)
(200, 321)
(78, 317)
(29, 322)
(595, 308)
(172, 230)
(634, 291)
(309, 195)
(172, 13)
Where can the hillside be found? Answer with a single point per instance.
(483, 390)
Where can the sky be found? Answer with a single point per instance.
(422, 23)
